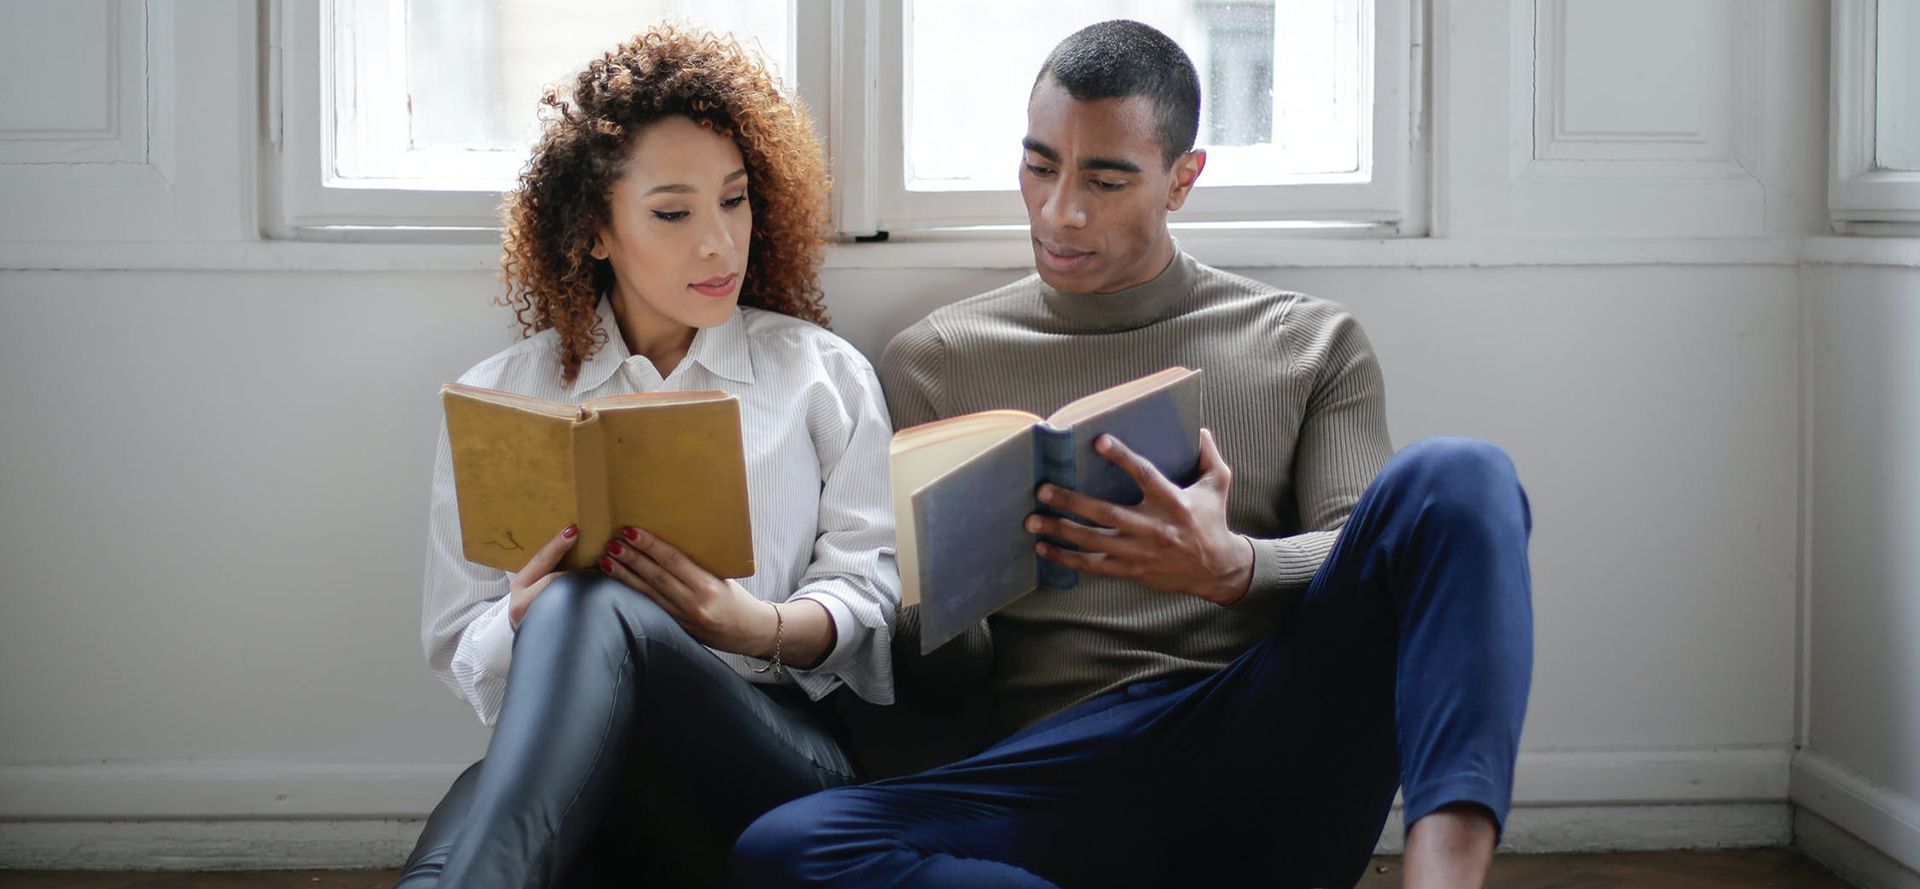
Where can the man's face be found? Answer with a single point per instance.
(1098, 190)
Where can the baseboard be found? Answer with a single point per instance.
(281, 815)
(222, 791)
(1847, 855)
(1881, 818)
(1540, 829)
(206, 845)
(285, 844)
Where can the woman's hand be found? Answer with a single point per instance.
(538, 572)
(719, 613)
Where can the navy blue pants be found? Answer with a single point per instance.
(1408, 662)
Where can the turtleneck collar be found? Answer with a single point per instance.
(1136, 306)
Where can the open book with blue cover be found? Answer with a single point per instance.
(964, 486)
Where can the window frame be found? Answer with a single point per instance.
(1379, 196)
(1861, 196)
(853, 91)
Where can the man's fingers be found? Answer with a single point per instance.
(1213, 466)
(1090, 563)
(1143, 473)
(1093, 509)
(1099, 540)
(548, 556)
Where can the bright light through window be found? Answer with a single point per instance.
(446, 93)
(1281, 84)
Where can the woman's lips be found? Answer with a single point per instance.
(719, 285)
(1064, 259)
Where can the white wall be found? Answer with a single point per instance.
(213, 471)
(1860, 768)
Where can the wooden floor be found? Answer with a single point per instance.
(1639, 870)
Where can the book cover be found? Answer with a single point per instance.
(669, 462)
(964, 486)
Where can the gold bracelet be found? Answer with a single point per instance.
(774, 665)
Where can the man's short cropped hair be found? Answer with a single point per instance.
(1120, 59)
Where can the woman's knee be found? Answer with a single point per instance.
(589, 598)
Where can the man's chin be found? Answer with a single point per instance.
(1077, 281)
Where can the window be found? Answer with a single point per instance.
(1875, 175)
(415, 114)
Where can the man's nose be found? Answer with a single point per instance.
(1062, 208)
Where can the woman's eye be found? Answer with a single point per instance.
(670, 215)
(731, 203)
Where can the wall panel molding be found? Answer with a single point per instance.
(84, 66)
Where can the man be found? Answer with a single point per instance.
(1236, 687)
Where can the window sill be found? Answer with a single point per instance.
(1237, 249)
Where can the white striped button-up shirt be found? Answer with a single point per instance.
(816, 434)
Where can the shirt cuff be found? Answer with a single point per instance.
(1282, 570)
(493, 648)
(844, 628)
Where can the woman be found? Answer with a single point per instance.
(666, 236)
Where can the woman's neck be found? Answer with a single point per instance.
(662, 340)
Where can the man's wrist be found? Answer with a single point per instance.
(1232, 585)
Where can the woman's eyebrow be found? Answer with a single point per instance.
(682, 188)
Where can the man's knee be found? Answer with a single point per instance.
(773, 850)
(1454, 473)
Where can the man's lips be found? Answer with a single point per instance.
(1062, 258)
(718, 285)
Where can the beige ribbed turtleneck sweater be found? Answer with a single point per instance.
(1293, 396)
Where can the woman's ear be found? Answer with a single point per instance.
(599, 250)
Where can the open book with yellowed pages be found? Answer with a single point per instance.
(963, 487)
(668, 462)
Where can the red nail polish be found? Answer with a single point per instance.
(606, 565)
(613, 546)
(571, 531)
(631, 534)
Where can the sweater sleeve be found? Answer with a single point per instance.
(911, 369)
(1342, 443)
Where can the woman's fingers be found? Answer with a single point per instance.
(618, 564)
(548, 556)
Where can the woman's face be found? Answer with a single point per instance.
(679, 227)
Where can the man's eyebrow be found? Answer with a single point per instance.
(1093, 163)
(682, 188)
(1110, 163)
(1040, 148)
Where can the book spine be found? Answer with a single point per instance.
(592, 490)
(1053, 464)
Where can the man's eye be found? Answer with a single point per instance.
(670, 215)
(1109, 186)
(1038, 170)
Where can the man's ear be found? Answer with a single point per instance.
(1186, 171)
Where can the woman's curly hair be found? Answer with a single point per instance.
(551, 278)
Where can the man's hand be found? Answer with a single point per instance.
(1176, 539)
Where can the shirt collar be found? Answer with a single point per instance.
(722, 350)
(1134, 307)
